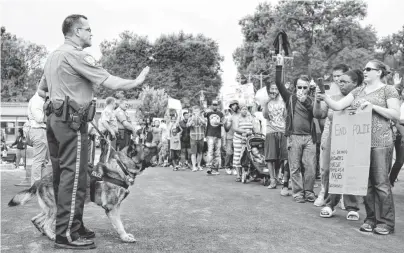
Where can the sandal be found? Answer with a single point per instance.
(238, 179)
(327, 212)
(366, 228)
(352, 215)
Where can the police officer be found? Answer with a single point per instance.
(125, 127)
(70, 76)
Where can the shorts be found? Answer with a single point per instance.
(175, 154)
(196, 146)
(275, 147)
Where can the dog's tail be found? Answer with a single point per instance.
(24, 196)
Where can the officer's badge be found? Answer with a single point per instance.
(90, 60)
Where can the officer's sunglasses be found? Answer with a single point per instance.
(368, 69)
(302, 87)
(86, 29)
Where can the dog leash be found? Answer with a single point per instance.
(121, 165)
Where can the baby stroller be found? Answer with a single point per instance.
(251, 168)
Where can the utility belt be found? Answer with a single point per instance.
(76, 115)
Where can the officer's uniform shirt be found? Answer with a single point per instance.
(109, 117)
(69, 71)
(121, 116)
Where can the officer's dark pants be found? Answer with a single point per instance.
(69, 156)
(123, 139)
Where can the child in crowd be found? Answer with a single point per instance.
(257, 157)
(175, 146)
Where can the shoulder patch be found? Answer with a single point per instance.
(89, 60)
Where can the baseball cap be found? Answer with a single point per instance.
(233, 102)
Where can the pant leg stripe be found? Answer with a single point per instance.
(76, 179)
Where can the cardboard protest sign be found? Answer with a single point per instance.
(247, 91)
(350, 152)
(231, 92)
(262, 96)
(174, 104)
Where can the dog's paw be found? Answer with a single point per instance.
(51, 235)
(128, 238)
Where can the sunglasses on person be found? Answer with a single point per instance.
(368, 69)
(86, 29)
(302, 87)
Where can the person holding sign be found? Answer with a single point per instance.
(301, 134)
(321, 111)
(380, 214)
(348, 81)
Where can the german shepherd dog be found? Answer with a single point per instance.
(105, 194)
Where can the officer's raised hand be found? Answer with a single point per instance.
(117, 83)
(142, 76)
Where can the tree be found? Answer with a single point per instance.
(392, 52)
(154, 102)
(21, 67)
(185, 64)
(321, 34)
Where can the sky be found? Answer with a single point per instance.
(40, 21)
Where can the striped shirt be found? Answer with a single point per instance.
(244, 123)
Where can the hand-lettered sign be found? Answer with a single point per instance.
(350, 152)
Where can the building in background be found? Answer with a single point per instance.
(14, 115)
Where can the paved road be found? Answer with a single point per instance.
(184, 211)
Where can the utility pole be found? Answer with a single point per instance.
(261, 81)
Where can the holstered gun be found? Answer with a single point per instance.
(65, 113)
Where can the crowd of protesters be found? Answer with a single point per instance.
(297, 138)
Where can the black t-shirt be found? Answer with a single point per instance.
(214, 128)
